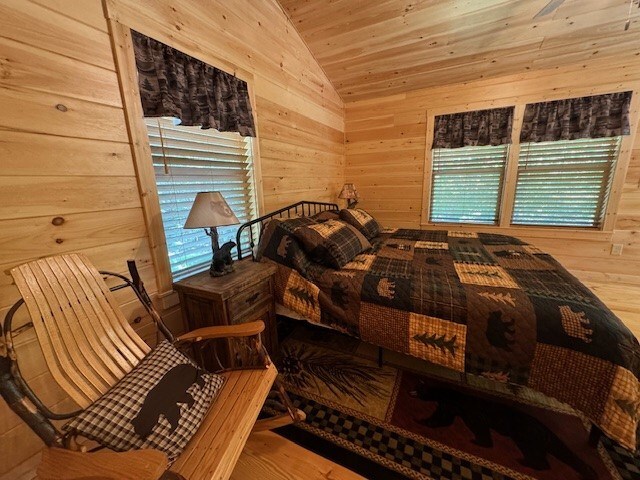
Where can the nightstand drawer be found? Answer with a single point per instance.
(258, 312)
(244, 302)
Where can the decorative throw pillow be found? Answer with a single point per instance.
(332, 243)
(326, 215)
(159, 404)
(360, 219)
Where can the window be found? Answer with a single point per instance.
(188, 160)
(466, 184)
(564, 183)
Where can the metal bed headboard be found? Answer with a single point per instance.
(303, 208)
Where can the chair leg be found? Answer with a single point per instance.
(293, 414)
(595, 434)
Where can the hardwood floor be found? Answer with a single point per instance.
(268, 456)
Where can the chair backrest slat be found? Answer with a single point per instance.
(86, 339)
(90, 323)
(106, 307)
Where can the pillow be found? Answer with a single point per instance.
(278, 244)
(159, 404)
(360, 219)
(326, 215)
(332, 243)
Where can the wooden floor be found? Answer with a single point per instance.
(268, 456)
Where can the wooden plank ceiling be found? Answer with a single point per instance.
(370, 48)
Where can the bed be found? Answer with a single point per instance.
(479, 303)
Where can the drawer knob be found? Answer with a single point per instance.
(253, 297)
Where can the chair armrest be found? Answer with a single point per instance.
(222, 331)
(61, 464)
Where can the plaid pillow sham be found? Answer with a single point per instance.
(332, 243)
(361, 220)
(160, 404)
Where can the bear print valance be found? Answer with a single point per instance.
(585, 117)
(174, 84)
(476, 128)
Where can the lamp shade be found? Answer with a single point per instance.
(348, 191)
(210, 209)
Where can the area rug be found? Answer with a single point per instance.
(411, 420)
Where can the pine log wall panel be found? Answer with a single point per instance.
(376, 48)
(385, 154)
(64, 148)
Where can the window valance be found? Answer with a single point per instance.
(475, 128)
(585, 117)
(175, 84)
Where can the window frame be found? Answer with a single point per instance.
(507, 199)
(168, 177)
(499, 193)
(141, 151)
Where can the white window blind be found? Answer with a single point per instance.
(467, 184)
(564, 183)
(188, 160)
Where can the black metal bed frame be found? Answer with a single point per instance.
(296, 209)
(15, 390)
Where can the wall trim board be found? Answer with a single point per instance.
(140, 150)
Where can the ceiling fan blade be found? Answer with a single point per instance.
(549, 8)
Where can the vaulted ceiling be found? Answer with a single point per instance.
(370, 48)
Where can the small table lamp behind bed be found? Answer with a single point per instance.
(350, 193)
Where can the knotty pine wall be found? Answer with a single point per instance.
(74, 161)
(385, 154)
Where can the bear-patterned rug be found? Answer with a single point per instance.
(411, 420)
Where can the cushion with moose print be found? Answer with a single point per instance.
(159, 404)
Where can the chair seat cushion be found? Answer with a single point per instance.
(160, 404)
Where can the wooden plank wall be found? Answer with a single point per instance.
(385, 153)
(64, 149)
(300, 115)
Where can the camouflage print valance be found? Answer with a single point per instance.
(174, 84)
(476, 128)
(585, 117)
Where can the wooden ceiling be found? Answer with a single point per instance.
(370, 48)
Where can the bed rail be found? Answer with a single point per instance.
(303, 208)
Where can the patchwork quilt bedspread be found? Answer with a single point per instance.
(486, 304)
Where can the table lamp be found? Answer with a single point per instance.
(350, 193)
(210, 210)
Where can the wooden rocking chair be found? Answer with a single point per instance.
(89, 345)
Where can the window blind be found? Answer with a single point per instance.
(467, 184)
(188, 160)
(564, 183)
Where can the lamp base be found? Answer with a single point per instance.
(352, 203)
(221, 273)
(222, 262)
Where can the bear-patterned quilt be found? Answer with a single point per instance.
(485, 304)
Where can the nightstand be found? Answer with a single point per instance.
(242, 296)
